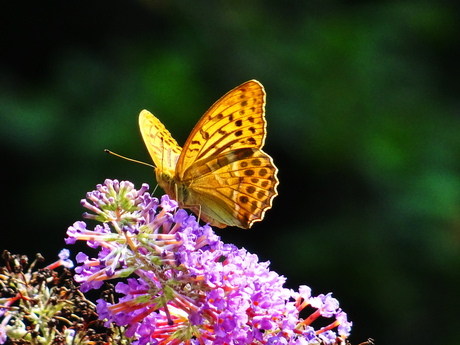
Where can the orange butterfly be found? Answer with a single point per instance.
(221, 174)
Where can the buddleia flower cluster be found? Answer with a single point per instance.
(176, 282)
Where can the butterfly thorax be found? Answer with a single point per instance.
(176, 189)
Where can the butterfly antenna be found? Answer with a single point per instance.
(129, 159)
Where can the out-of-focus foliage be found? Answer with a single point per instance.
(362, 123)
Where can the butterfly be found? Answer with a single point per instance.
(221, 173)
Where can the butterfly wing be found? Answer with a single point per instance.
(235, 121)
(162, 147)
(222, 172)
(235, 188)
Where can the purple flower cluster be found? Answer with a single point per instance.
(183, 285)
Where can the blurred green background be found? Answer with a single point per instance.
(363, 124)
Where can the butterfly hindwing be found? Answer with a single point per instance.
(243, 181)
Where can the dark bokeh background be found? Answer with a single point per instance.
(363, 124)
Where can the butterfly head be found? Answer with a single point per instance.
(166, 181)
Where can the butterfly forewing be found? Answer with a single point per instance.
(162, 147)
(235, 121)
